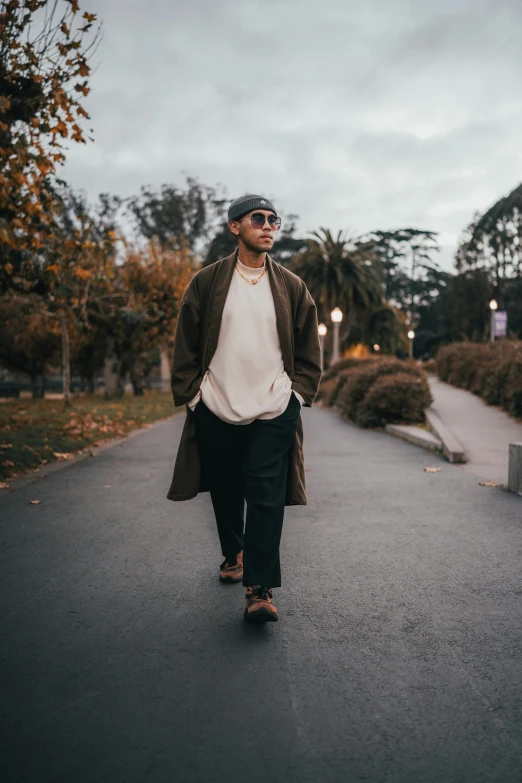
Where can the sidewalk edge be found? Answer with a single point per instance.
(451, 446)
(416, 436)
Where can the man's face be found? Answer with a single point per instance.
(252, 232)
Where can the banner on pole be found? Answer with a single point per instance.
(500, 323)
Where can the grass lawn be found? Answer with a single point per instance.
(33, 432)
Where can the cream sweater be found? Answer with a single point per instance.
(246, 379)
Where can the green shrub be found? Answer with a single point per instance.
(494, 371)
(460, 363)
(361, 380)
(515, 400)
(512, 398)
(341, 379)
(326, 388)
(394, 398)
(330, 388)
(492, 379)
(349, 363)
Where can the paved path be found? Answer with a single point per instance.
(484, 431)
(397, 658)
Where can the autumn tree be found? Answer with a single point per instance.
(44, 72)
(151, 283)
(75, 267)
(29, 340)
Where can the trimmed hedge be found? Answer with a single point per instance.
(493, 371)
(349, 363)
(400, 398)
(360, 381)
(365, 391)
(328, 390)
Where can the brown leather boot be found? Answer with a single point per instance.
(231, 570)
(259, 604)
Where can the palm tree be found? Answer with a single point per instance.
(340, 272)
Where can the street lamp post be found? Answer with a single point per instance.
(336, 316)
(411, 338)
(493, 306)
(322, 334)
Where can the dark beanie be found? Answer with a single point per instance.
(245, 204)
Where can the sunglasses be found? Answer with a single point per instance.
(258, 221)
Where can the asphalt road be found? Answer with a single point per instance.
(397, 657)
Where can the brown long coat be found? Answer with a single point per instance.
(196, 341)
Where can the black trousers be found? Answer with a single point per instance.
(249, 463)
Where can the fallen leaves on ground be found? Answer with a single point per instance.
(432, 470)
(38, 431)
(4, 485)
(35, 502)
(82, 426)
(488, 484)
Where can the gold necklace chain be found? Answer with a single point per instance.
(251, 282)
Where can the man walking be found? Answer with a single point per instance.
(246, 358)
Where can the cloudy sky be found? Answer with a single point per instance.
(355, 114)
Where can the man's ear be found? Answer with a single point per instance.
(233, 226)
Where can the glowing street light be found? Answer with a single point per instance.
(322, 334)
(493, 306)
(336, 316)
(411, 338)
(376, 347)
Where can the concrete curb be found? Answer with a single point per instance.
(415, 435)
(90, 451)
(451, 446)
(515, 468)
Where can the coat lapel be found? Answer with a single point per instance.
(218, 298)
(283, 314)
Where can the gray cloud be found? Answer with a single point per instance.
(354, 115)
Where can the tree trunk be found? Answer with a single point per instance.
(89, 383)
(137, 377)
(38, 386)
(66, 361)
(165, 368)
(111, 374)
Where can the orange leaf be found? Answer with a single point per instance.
(83, 274)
